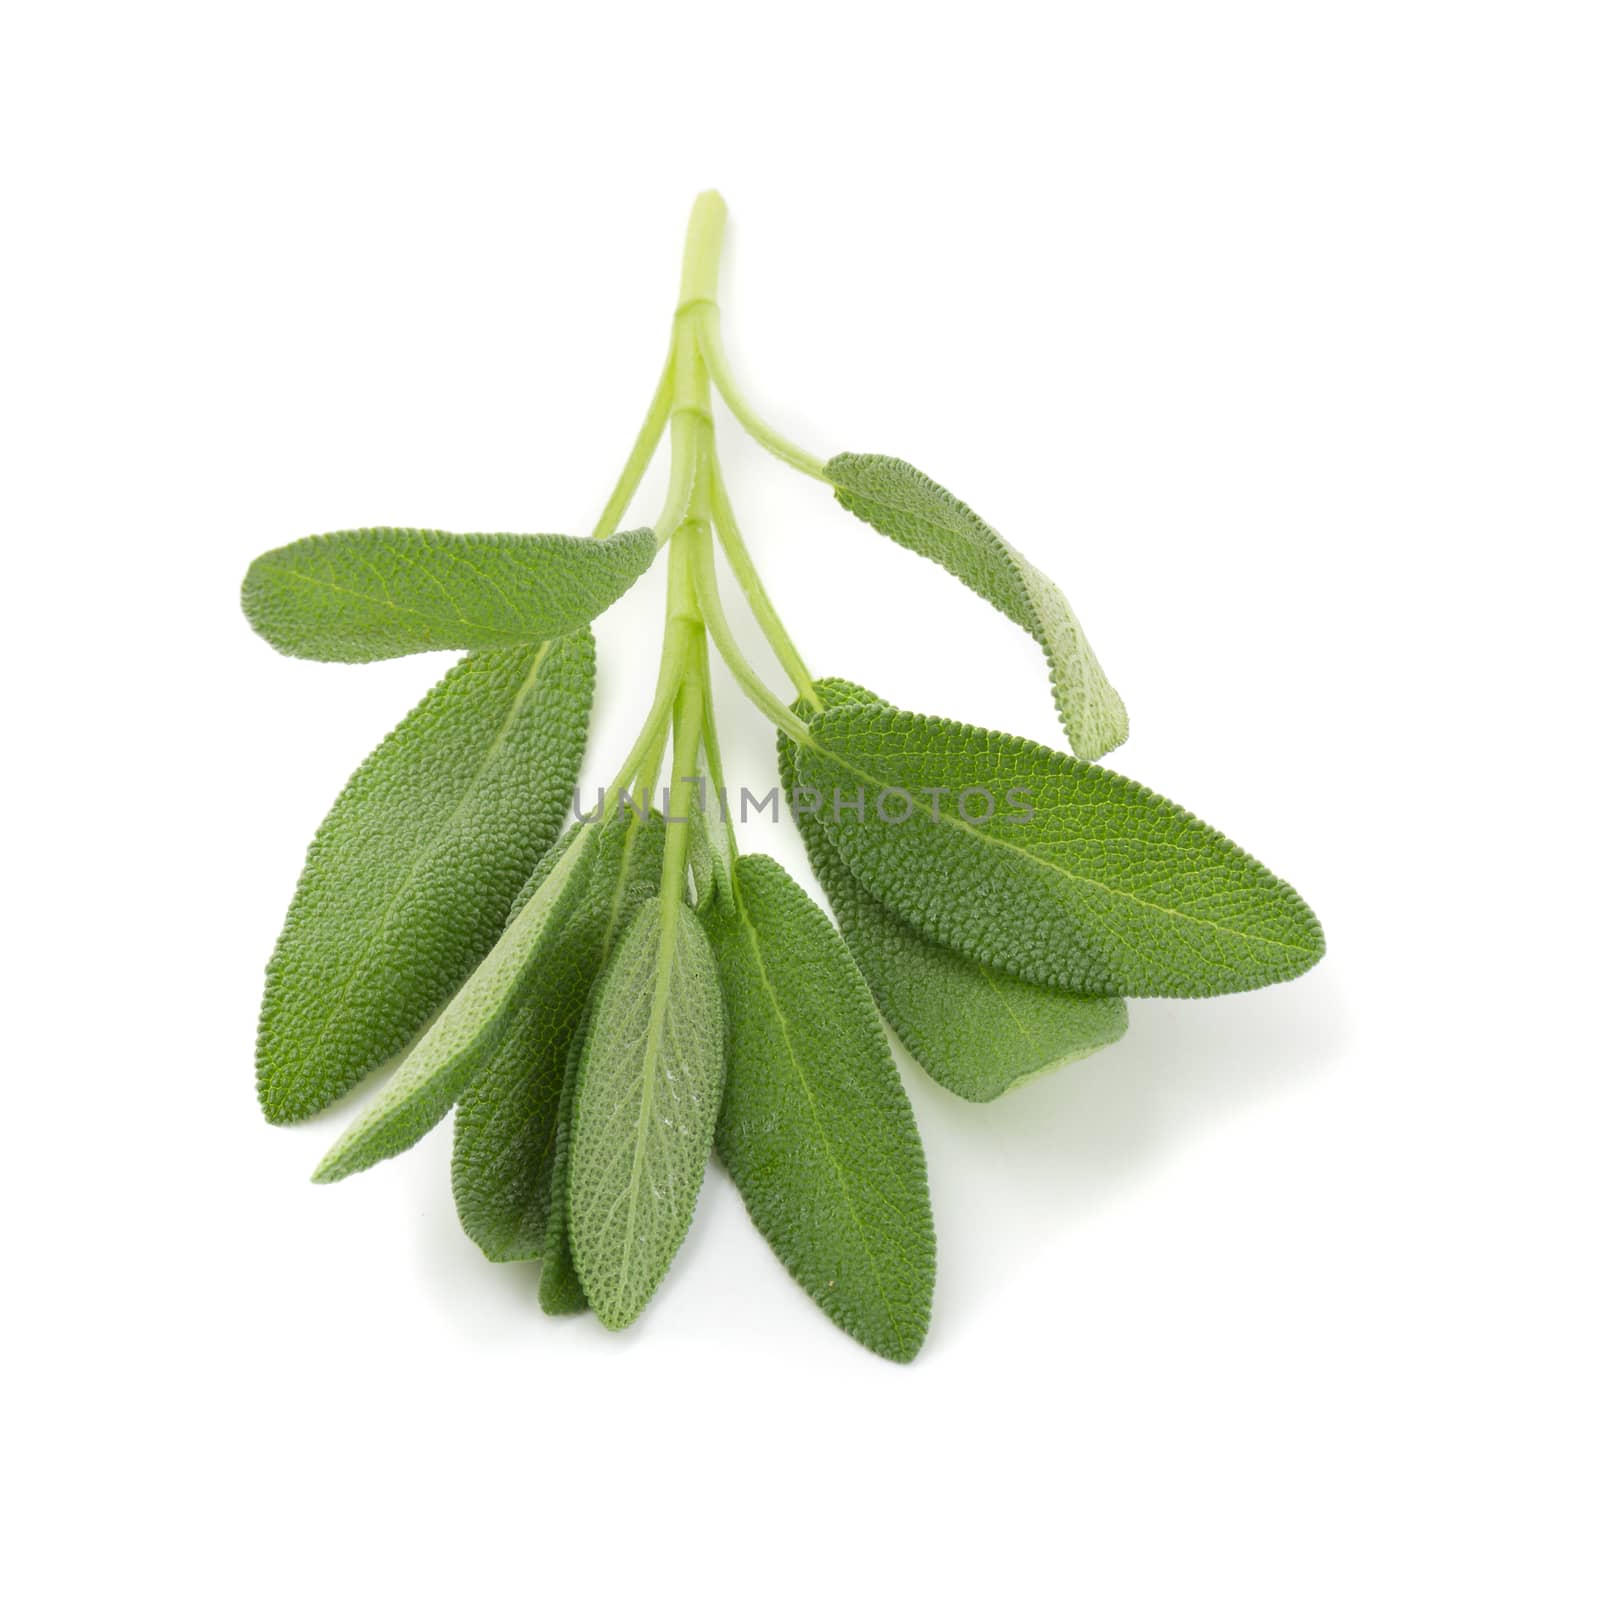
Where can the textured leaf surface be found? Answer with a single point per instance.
(560, 1291)
(379, 592)
(506, 1126)
(466, 1032)
(1081, 879)
(815, 1128)
(708, 858)
(408, 882)
(646, 1106)
(914, 511)
(975, 1030)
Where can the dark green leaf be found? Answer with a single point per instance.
(408, 882)
(469, 1030)
(1080, 878)
(976, 1031)
(560, 1291)
(815, 1127)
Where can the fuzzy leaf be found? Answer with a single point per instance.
(976, 1031)
(1081, 879)
(560, 1292)
(468, 1030)
(710, 849)
(380, 592)
(646, 1105)
(408, 882)
(815, 1128)
(702, 854)
(506, 1121)
(914, 511)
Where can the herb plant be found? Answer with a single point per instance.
(605, 1002)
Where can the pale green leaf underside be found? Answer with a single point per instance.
(506, 1123)
(976, 1031)
(646, 1107)
(708, 854)
(1109, 889)
(815, 1127)
(373, 593)
(466, 1032)
(408, 882)
(914, 511)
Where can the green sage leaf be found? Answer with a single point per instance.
(1048, 868)
(468, 1030)
(408, 882)
(976, 1031)
(710, 864)
(560, 1291)
(380, 592)
(815, 1127)
(507, 1119)
(648, 1087)
(914, 511)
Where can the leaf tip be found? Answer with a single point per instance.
(347, 1157)
(279, 1105)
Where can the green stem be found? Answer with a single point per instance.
(755, 592)
(688, 718)
(674, 654)
(702, 250)
(691, 386)
(695, 500)
(650, 770)
(716, 621)
(708, 731)
(709, 323)
(713, 749)
(688, 510)
(640, 457)
(680, 486)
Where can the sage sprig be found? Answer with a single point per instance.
(605, 1006)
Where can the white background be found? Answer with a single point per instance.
(1270, 331)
